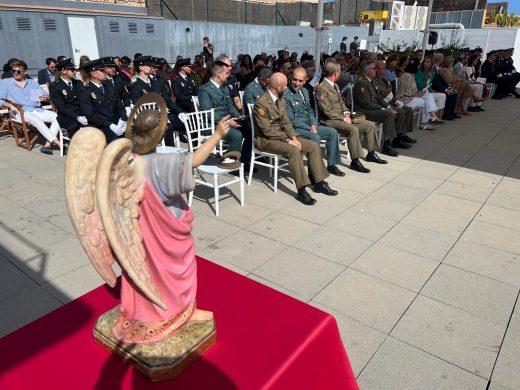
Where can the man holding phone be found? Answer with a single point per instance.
(28, 94)
(215, 94)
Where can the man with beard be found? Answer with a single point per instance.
(275, 134)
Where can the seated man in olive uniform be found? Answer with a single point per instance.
(384, 88)
(145, 84)
(368, 101)
(183, 85)
(304, 121)
(275, 134)
(333, 113)
(64, 96)
(256, 87)
(101, 104)
(215, 94)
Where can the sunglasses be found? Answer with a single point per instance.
(17, 71)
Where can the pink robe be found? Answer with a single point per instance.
(165, 222)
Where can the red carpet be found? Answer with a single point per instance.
(265, 339)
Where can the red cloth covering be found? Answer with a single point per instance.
(265, 340)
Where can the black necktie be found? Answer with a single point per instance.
(70, 85)
(102, 89)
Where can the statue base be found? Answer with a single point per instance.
(164, 359)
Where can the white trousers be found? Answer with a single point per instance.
(440, 99)
(478, 89)
(418, 102)
(39, 119)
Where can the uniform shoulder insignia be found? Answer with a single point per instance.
(320, 95)
(260, 112)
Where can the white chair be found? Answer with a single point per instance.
(274, 165)
(197, 123)
(195, 101)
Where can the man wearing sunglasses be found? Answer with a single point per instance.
(28, 94)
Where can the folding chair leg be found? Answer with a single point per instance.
(242, 182)
(275, 173)
(251, 168)
(216, 190)
(190, 198)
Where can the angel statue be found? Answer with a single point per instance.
(126, 205)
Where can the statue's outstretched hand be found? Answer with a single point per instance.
(223, 126)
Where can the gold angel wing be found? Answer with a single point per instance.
(85, 149)
(119, 190)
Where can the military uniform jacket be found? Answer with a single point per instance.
(184, 88)
(140, 87)
(66, 102)
(366, 96)
(252, 92)
(299, 110)
(120, 87)
(217, 98)
(271, 120)
(384, 88)
(488, 71)
(330, 103)
(101, 108)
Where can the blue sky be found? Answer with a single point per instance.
(514, 6)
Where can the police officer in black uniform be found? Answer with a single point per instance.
(114, 81)
(101, 103)
(145, 84)
(183, 85)
(64, 93)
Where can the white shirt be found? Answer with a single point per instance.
(215, 83)
(275, 98)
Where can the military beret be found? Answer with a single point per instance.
(108, 61)
(65, 64)
(94, 65)
(143, 60)
(183, 62)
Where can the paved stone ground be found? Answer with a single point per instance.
(419, 261)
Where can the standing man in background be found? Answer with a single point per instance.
(354, 45)
(343, 45)
(207, 50)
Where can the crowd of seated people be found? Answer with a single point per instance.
(387, 90)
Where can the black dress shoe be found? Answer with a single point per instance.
(323, 188)
(480, 109)
(473, 109)
(397, 143)
(304, 197)
(373, 157)
(356, 165)
(457, 116)
(448, 117)
(389, 151)
(46, 150)
(405, 138)
(333, 170)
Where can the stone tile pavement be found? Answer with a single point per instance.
(419, 261)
